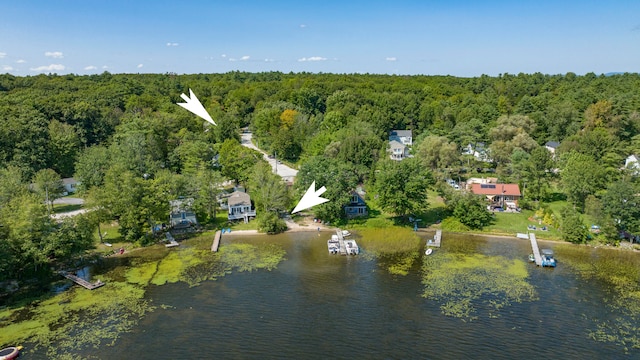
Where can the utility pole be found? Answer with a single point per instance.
(275, 158)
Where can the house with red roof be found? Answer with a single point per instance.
(499, 195)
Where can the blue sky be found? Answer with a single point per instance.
(457, 37)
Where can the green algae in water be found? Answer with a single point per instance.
(79, 319)
(620, 270)
(465, 284)
(248, 257)
(396, 248)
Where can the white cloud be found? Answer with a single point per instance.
(232, 59)
(105, 67)
(54, 54)
(140, 66)
(313, 58)
(245, 58)
(49, 68)
(21, 61)
(172, 44)
(392, 58)
(90, 67)
(269, 60)
(303, 26)
(223, 55)
(2, 55)
(7, 68)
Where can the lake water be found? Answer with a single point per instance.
(321, 306)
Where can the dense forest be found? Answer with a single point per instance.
(133, 149)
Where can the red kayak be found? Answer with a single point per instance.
(10, 353)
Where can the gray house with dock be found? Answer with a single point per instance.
(240, 208)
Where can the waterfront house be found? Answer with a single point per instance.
(505, 196)
(356, 206)
(181, 214)
(402, 136)
(239, 206)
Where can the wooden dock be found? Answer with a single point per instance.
(81, 281)
(437, 238)
(535, 248)
(172, 241)
(343, 247)
(216, 241)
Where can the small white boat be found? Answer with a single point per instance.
(429, 251)
(346, 233)
(333, 245)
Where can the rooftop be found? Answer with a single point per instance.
(496, 189)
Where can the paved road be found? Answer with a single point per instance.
(287, 173)
(69, 201)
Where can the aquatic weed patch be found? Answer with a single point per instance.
(396, 248)
(465, 284)
(249, 257)
(71, 323)
(620, 270)
(75, 320)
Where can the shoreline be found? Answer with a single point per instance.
(324, 228)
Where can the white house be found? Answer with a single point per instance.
(70, 185)
(398, 150)
(478, 150)
(402, 136)
(239, 204)
(552, 146)
(633, 163)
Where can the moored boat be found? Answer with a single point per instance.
(333, 245)
(429, 251)
(10, 353)
(547, 258)
(346, 233)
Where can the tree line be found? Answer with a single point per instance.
(133, 149)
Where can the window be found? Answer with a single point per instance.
(354, 199)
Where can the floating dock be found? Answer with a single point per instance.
(535, 248)
(436, 239)
(345, 247)
(82, 282)
(216, 241)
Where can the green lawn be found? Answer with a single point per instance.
(512, 223)
(109, 231)
(61, 208)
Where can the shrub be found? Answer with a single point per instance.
(270, 223)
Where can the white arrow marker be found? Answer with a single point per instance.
(195, 106)
(311, 198)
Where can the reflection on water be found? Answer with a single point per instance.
(317, 306)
